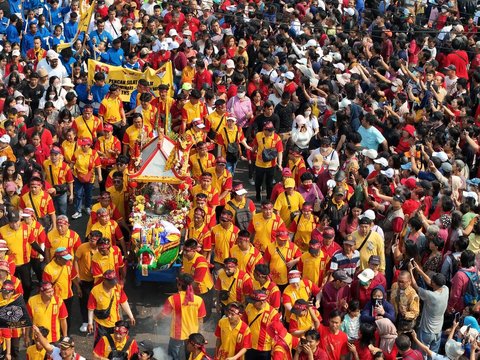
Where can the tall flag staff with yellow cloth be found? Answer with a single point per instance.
(83, 24)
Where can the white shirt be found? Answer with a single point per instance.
(113, 28)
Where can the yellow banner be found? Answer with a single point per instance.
(83, 24)
(127, 79)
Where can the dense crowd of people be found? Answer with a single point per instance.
(358, 122)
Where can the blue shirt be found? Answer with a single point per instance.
(27, 42)
(15, 6)
(33, 4)
(115, 57)
(70, 30)
(44, 33)
(135, 66)
(103, 36)
(68, 64)
(56, 15)
(54, 41)
(371, 138)
(82, 93)
(3, 25)
(98, 95)
(12, 34)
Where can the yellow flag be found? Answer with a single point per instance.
(83, 24)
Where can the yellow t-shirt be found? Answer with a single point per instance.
(18, 242)
(111, 110)
(223, 239)
(69, 149)
(264, 142)
(85, 162)
(286, 205)
(100, 300)
(70, 240)
(84, 256)
(85, 128)
(263, 230)
(373, 246)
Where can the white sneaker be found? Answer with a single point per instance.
(251, 181)
(77, 215)
(84, 327)
(88, 210)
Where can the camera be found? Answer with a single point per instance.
(378, 302)
(303, 341)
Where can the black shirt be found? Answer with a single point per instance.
(285, 113)
(261, 119)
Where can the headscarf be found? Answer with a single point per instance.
(388, 334)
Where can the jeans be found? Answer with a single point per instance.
(82, 190)
(176, 349)
(86, 287)
(60, 203)
(430, 340)
(267, 174)
(231, 166)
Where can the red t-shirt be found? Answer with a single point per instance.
(335, 345)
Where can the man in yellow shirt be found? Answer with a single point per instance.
(20, 241)
(205, 186)
(111, 110)
(201, 161)
(119, 194)
(222, 181)
(264, 226)
(313, 264)
(87, 125)
(62, 236)
(289, 203)
(136, 137)
(232, 284)
(269, 148)
(187, 311)
(246, 254)
(368, 243)
(82, 263)
(224, 236)
(106, 293)
(148, 111)
(217, 119)
(109, 229)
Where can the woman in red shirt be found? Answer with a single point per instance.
(230, 46)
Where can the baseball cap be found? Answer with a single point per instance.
(13, 216)
(328, 232)
(366, 275)
(230, 64)
(410, 183)
(370, 153)
(268, 126)
(294, 276)
(349, 240)
(286, 172)
(341, 275)
(382, 161)
(369, 214)
(66, 342)
(5, 139)
(289, 75)
(84, 141)
(198, 123)
(16, 53)
(374, 260)
(289, 183)
(259, 295)
(55, 150)
(110, 275)
(3, 245)
(239, 189)
(282, 234)
(63, 253)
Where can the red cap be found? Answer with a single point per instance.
(328, 232)
(409, 129)
(410, 183)
(283, 234)
(108, 127)
(286, 172)
(84, 141)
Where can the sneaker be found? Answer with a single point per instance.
(88, 210)
(84, 327)
(77, 215)
(251, 181)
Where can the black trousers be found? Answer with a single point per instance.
(37, 267)
(208, 301)
(86, 287)
(23, 273)
(253, 354)
(262, 174)
(69, 304)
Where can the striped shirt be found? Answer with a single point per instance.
(343, 262)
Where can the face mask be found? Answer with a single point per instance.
(20, 102)
(308, 186)
(241, 95)
(51, 96)
(308, 113)
(363, 283)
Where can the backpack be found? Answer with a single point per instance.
(243, 216)
(472, 292)
(118, 354)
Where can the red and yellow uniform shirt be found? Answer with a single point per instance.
(302, 322)
(211, 192)
(202, 235)
(292, 294)
(112, 210)
(191, 111)
(200, 164)
(47, 315)
(87, 128)
(103, 348)
(185, 317)
(132, 134)
(264, 230)
(38, 233)
(210, 218)
(85, 162)
(69, 149)
(61, 277)
(42, 203)
(111, 231)
(18, 242)
(286, 204)
(240, 285)
(105, 145)
(314, 268)
(99, 299)
(34, 354)
(278, 266)
(112, 261)
(199, 268)
(274, 295)
(297, 167)
(120, 199)
(246, 260)
(302, 229)
(266, 142)
(111, 109)
(84, 255)
(62, 174)
(71, 241)
(258, 321)
(223, 240)
(222, 183)
(233, 339)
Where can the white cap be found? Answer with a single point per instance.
(441, 155)
(5, 139)
(51, 54)
(470, 194)
(163, 46)
(172, 32)
(331, 183)
(16, 52)
(230, 64)
(370, 153)
(310, 43)
(343, 78)
(453, 349)
(327, 58)
(173, 45)
(187, 32)
(369, 214)
(300, 120)
(339, 66)
(349, 11)
(382, 161)
(366, 275)
(241, 192)
(289, 75)
(388, 173)
(344, 103)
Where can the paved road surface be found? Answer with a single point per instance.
(145, 300)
